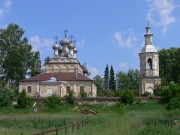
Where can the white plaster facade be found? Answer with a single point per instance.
(63, 72)
(149, 65)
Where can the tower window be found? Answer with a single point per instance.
(29, 89)
(149, 61)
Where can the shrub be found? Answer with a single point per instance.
(52, 101)
(70, 99)
(173, 104)
(23, 100)
(157, 90)
(118, 93)
(127, 97)
(6, 96)
(146, 94)
(169, 92)
(83, 94)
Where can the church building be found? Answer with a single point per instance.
(149, 65)
(63, 73)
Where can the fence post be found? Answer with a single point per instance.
(82, 123)
(65, 130)
(72, 128)
(42, 132)
(77, 126)
(57, 132)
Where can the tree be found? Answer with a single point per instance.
(23, 100)
(98, 80)
(133, 82)
(169, 66)
(6, 95)
(16, 55)
(128, 80)
(112, 82)
(122, 80)
(106, 77)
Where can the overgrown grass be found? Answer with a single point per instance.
(139, 119)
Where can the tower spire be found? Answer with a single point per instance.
(148, 27)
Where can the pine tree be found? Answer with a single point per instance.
(106, 77)
(112, 82)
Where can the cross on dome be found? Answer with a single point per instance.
(65, 32)
(56, 39)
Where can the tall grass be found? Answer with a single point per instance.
(141, 119)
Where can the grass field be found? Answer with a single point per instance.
(140, 119)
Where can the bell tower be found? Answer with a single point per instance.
(149, 64)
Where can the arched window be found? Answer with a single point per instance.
(149, 61)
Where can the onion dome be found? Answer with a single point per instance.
(56, 46)
(65, 41)
(65, 49)
(75, 50)
(71, 46)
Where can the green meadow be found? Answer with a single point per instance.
(148, 118)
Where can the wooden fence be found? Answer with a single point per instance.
(64, 129)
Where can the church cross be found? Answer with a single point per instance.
(71, 37)
(65, 32)
(74, 41)
(56, 39)
(148, 23)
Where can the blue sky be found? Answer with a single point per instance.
(106, 31)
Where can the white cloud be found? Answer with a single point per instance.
(123, 41)
(40, 44)
(160, 13)
(94, 71)
(7, 4)
(5, 8)
(123, 65)
(80, 43)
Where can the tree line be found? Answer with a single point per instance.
(112, 83)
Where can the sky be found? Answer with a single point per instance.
(106, 31)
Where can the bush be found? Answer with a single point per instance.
(173, 104)
(6, 96)
(83, 94)
(121, 107)
(146, 94)
(52, 101)
(169, 92)
(157, 90)
(127, 97)
(23, 100)
(118, 93)
(70, 99)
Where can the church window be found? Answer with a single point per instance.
(81, 88)
(149, 63)
(68, 88)
(28, 89)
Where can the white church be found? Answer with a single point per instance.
(149, 65)
(63, 73)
